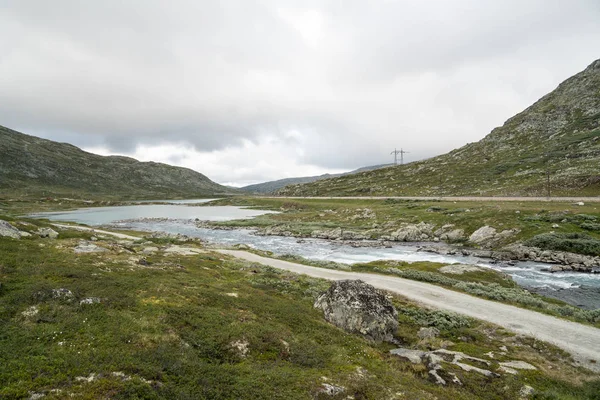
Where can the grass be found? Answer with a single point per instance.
(169, 330)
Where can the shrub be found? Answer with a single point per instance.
(580, 243)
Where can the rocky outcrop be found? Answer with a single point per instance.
(435, 361)
(338, 234)
(488, 237)
(47, 233)
(358, 307)
(567, 261)
(413, 233)
(7, 230)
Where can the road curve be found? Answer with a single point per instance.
(582, 341)
(445, 198)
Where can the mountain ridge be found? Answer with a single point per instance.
(32, 165)
(551, 147)
(271, 186)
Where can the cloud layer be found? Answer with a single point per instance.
(247, 91)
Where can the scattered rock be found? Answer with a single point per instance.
(330, 390)
(521, 365)
(150, 250)
(526, 392)
(7, 230)
(47, 233)
(241, 347)
(31, 312)
(231, 294)
(358, 307)
(414, 356)
(580, 203)
(428, 333)
(459, 269)
(24, 234)
(483, 235)
(87, 247)
(183, 251)
(62, 293)
(90, 300)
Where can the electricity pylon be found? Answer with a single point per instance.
(395, 153)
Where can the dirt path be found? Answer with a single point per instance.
(447, 198)
(85, 228)
(582, 341)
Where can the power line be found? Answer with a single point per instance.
(395, 153)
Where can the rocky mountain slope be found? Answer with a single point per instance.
(271, 186)
(554, 145)
(34, 166)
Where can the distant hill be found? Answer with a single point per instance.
(35, 166)
(271, 186)
(557, 137)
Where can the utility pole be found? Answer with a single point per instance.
(395, 153)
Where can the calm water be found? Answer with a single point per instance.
(107, 215)
(181, 221)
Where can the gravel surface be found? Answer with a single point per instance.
(582, 341)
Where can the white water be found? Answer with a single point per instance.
(181, 221)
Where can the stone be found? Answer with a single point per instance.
(526, 392)
(331, 390)
(62, 293)
(520, 365)
(90, 300)
(459, 269)
(241, 347)
(7, 230)
(87, 247)
(428, 333)
(183, 251)
(47, 233)
(483, 235)
(414, 356)
(358, 307)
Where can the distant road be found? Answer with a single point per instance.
(581, 341)
(448, 198)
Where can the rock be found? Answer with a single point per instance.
(183, 251)
(87, 247)
(241, 347)
(90, 300)
(62, 293)
(483, 235)
(414, 356)
(521, 365)
(428, 333)
(31, 311)
(7, 230)
(331, 390)
(47, 233)
(459, 269)
(555, 226)
(149, 250)
(358, 307)
(526, 392)
(413, 233)
(580, 203)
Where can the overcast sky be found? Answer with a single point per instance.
(248, 91)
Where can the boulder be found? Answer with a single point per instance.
(7, 230)
(483, 235)
(413, 233)
(358, 307)
(47, 233)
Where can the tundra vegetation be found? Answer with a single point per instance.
(135, 320)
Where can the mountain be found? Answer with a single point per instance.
(271, 186)
(553, 145)
(35, 166)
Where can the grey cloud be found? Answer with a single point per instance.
(354, 79)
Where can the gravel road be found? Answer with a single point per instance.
(582, 341)
(448, 198)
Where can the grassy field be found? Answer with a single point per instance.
(102, 325)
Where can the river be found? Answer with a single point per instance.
(181, 219)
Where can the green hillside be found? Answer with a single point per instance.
(558, 136)
(33, 166)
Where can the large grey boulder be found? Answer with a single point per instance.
(483, 235)
(8, 230)
(358, 307)
(47, 233)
